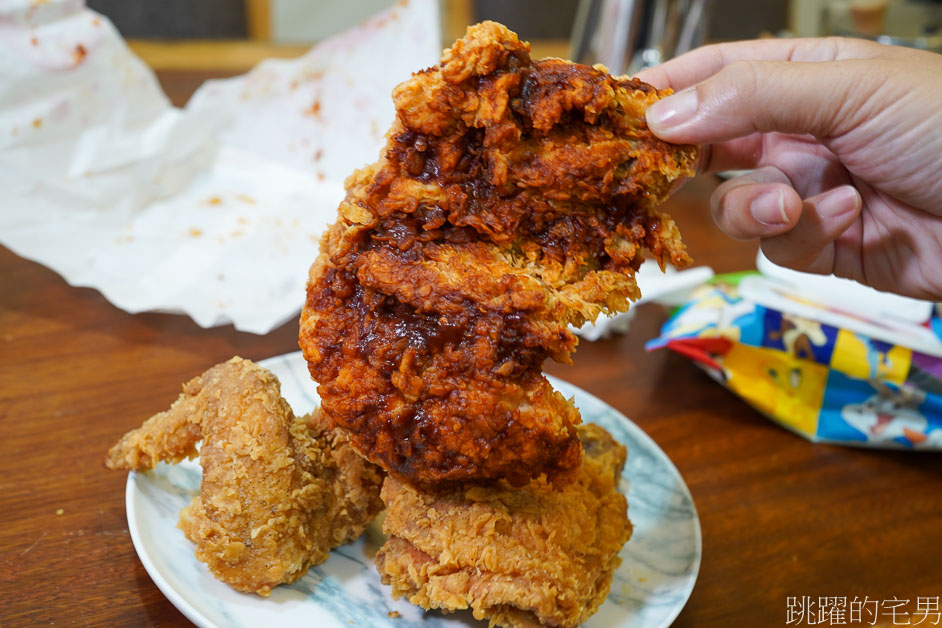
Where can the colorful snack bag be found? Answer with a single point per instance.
(826, 382)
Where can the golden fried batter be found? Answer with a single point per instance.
(532, 556)
(278, 492)
(513, 198)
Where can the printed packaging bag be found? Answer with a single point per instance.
(830, 383)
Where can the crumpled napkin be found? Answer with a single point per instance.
(213, 210)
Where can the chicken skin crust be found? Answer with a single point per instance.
(532, 556)
(278, 491)
(513, 198)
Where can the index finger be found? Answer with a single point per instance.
(700, 64)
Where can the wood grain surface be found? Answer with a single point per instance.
(780, 516)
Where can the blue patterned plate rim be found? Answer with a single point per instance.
(659, 564)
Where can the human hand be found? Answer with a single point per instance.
(846, 137)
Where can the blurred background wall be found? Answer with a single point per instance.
(304, 21)
(282, 27)
(176, 19)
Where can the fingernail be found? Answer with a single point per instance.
(769, 209)
(838, 202)
(673, 111)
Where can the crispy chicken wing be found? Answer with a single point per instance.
(278, 491)
(514, 198)
(532, 556)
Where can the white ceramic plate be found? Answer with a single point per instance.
(657, 574)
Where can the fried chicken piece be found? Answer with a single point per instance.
(532, 556)
(513, 198)
(278, 491)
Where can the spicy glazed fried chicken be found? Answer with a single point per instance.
(532, 556)
(278, 491)
(513, 198)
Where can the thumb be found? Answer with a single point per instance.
(764, 96)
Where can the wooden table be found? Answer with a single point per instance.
(780, 516)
